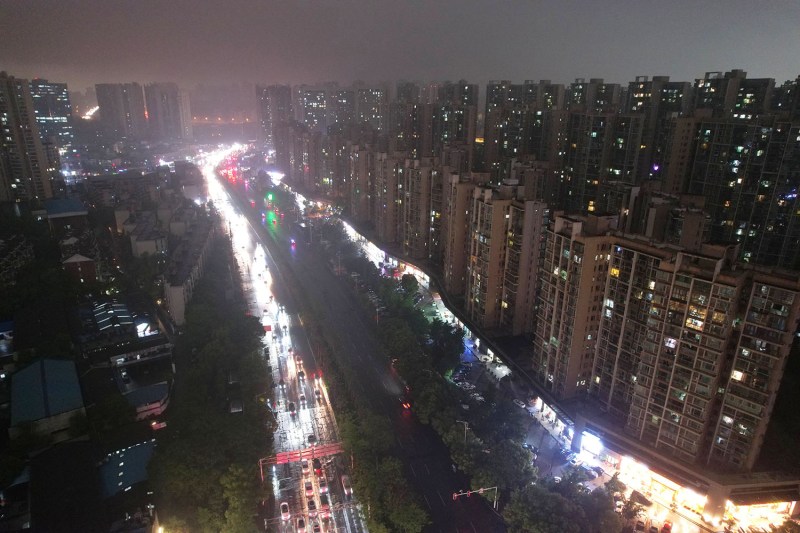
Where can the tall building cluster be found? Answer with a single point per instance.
(642, 235)
(158, 112)
(37, 139)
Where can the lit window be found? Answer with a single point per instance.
(736, 375)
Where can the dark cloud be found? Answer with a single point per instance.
(306, 41)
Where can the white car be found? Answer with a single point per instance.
(285, 515)
(309, 489)
(306, 468)
(323, 485)
(519, 403)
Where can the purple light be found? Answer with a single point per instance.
(656, 166)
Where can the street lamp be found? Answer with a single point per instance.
(466, 427)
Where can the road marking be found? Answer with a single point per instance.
(412, 470)
(473, 527)
(428, 470)
(429, 503)
(440, 497)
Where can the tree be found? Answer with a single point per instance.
(112, 413)
(447, 344)
(409, 284)
(534, 509)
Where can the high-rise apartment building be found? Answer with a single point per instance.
(275, 107)
(312, 107)
(571, 286)
(168, 113)
(455, 228)
(733, 95)
(122, 109)
(341, 106)
(525, 225)
(691, 349)
(415, 226)
(594, 96)
(747, 172)
(24, 170)
(487, 255)
(372, 107)
(53, 112)
(660, 101)
(388, 177)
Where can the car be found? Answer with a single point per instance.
(575, 460)
(667, 527)
(324, 505)
(317, 393)
(306, 469)
(639, 526)
(599, 470)
(301, 376)
(317, 466)
(292, 408)
(316, 528)
(301, 525)
(312, 441)
(125, 377)
(312, 508)
(405, 403)
(519, 403)
(309, 487)
(298, 360)
(618, 505)
(590, 473)
(285, 514)
(323, 485)
(346, 486)
(653, 529)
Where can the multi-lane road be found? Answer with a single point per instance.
(426, 459)
(299, 401)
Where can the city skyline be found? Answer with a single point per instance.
(293, 43)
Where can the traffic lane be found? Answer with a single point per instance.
(314, 274)
(431, 470)
(426, 456)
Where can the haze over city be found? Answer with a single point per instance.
(97, 41)
(400, 266)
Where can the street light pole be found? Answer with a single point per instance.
(466, 427)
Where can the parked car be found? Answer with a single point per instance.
(519, 403)
(309, 489)
(301, 525)
(304, 464)
(323, 485)
(312, 508)
(639, 526)
(317, 466)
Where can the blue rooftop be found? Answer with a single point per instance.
(64, 207)
(148, 394)
(43, 389)
(125, 468)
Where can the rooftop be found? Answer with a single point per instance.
(43, 389)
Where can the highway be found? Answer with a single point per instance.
(299, 401)
(426, 459)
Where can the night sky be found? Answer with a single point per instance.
(303, 41)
